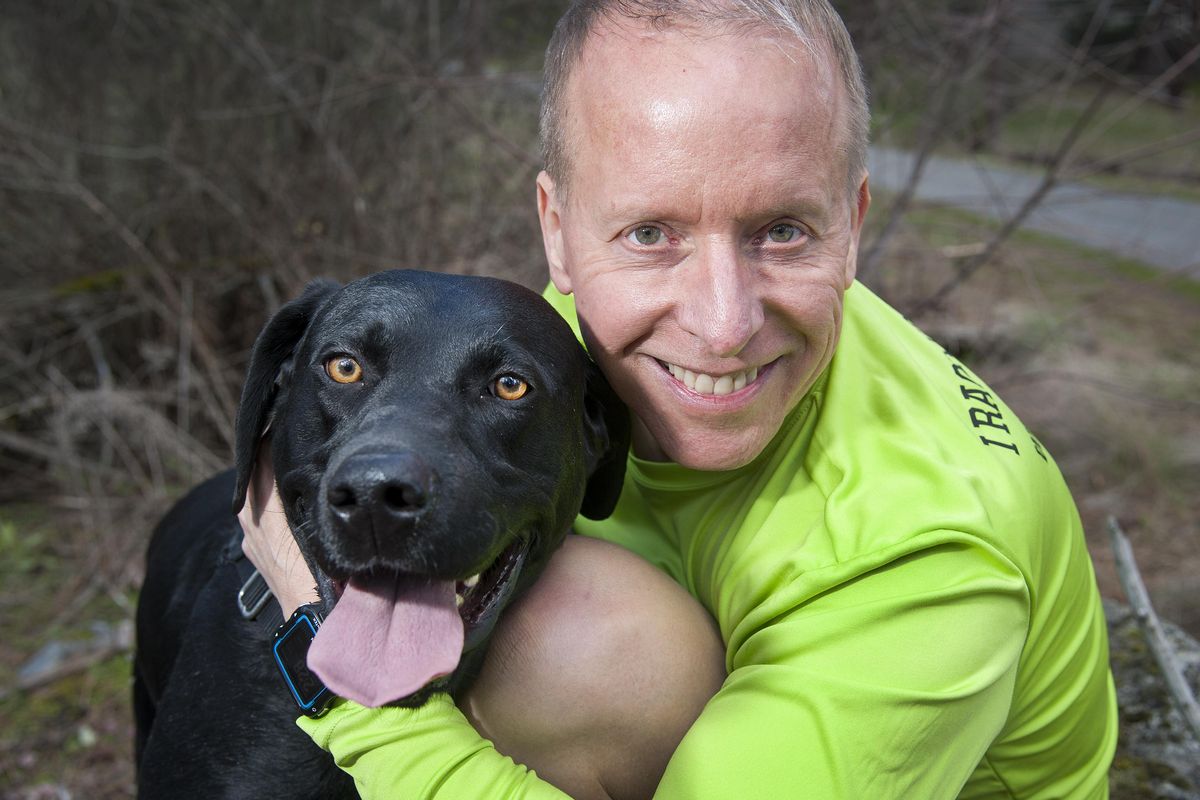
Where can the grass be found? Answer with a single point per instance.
(943, 226)
(1124, 124)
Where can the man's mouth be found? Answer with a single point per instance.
(718, 385)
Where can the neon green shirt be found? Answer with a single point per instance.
(901, 582)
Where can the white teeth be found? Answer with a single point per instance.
(463, 588)
(713, 384)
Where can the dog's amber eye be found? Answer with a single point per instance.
(510, 387)
(344, 369)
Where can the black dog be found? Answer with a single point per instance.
(430, 431)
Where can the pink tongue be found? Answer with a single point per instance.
(387, 637)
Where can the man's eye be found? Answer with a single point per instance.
(646, 235)
(782, 233)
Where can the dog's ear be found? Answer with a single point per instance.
(272, 353)
(606, 433)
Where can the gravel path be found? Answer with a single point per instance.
(1160, 231)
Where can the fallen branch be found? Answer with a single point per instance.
(58, 659)
(1156, 637)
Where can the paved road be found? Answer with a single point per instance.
(1159, 231)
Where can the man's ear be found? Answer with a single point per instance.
(606, 432)
(859, 206)
(550, 217)
(273, 351)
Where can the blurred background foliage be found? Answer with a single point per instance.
(170, 172)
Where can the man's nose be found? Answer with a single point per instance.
(719, 302)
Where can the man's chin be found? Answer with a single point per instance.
(707, 450)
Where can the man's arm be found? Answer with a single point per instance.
(593, 677)
(428, 752)
(892, 684)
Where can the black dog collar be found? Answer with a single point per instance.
(290, 647)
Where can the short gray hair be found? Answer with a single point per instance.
(813, 23)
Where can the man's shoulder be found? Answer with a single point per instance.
(909, 438)
(887, 375)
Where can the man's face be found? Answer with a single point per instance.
(708, 237)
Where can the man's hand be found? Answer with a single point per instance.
(269, 543)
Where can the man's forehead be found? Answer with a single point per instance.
(634, 81)
(633, 69)
(639, 93)
(648, 42)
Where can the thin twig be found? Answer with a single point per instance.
(1156, 637)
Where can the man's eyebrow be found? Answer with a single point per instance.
(804, 205)
(807, 208)
(622, 214)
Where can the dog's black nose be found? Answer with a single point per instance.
(387, 491)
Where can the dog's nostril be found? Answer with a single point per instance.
(403, 497)
(341, 497)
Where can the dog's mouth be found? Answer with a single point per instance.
(481, 597)
(392, 635)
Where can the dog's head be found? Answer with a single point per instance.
(433, 437)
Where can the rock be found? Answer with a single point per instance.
(1157, 755)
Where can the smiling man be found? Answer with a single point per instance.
(702, 222)
(904, 603)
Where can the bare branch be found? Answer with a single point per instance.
(1156, 637)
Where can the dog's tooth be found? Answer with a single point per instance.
(458, 600)
(471, 581)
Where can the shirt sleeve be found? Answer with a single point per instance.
(890, 684)
(427, 752)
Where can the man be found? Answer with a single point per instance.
(904, 602)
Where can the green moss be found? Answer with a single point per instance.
(56, 724)
(47, 729)
(102, 280)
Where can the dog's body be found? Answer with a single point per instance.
(431, 435)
